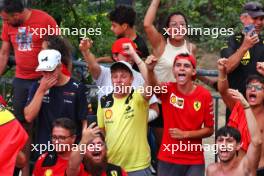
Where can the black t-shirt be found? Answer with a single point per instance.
(247, 66)
(68, 101)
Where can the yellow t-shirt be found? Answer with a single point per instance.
(125, 122)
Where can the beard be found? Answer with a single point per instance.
(95, 169)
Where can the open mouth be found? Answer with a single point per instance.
(252, 97)
(96, 154)
(224, 153)
(181, 76)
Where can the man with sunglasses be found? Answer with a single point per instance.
(255, 97)
(55, 162)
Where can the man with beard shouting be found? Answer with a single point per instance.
(94, 160)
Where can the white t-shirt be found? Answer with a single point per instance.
(105, 86)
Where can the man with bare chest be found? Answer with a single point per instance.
(252, 159)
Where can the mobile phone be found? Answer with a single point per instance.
(249, 28)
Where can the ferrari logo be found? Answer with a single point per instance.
(108, 114)
(48, 172)
(114, 173)
(197, 105)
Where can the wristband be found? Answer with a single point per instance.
(222, 79)
(247, 107)
(152, 115)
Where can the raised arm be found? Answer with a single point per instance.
(76, 158)
(156, 39)
(251, 159)
(223, 83)
(133, 54)
(4, 54)
(92, 64)
(248, 42)
(150, 80)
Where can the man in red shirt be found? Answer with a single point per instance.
(186, 107)
(55, 161)
(94, 161)
(23, 29)
(13, 138)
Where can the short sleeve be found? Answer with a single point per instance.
(230, 47)
(51, 23)
(4, 34)
(209, 111)
(32, 92)
(104, 75)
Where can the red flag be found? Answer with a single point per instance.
(12, 139)
(238, 120)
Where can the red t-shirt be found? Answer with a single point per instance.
(58, 169)
(27, 40)
(238, 120)
(188, 113)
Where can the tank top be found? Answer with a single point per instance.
(163, 69)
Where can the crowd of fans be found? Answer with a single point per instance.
(141, 90)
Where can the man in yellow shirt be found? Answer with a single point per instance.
(123, 115)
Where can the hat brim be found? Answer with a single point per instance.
(117, 65)
(45, 68)
(256, 14)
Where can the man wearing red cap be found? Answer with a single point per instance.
(186, 107)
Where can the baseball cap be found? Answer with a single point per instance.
(186, 56)
(254, 9)
(48, 60)
(123, 65)
(117, 47)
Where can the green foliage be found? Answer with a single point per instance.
(82, 19)
(201, 13)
